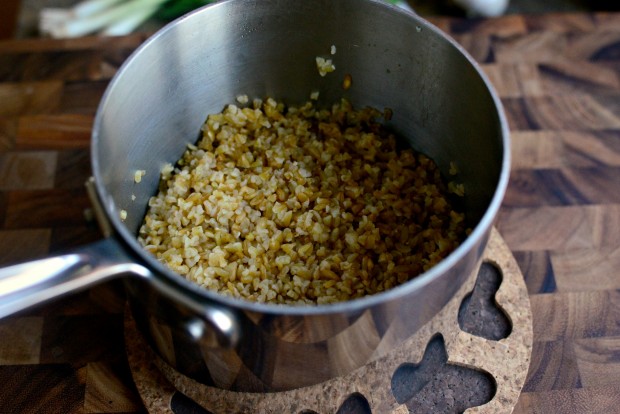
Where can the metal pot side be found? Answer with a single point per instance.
(441, 102)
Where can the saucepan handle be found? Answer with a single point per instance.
(28, 284)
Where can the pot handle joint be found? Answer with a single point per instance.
(211, 323)
(217, 327)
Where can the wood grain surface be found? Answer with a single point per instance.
(559, 79)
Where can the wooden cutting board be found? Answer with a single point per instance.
(559, 79)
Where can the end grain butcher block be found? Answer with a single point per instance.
(559, 79)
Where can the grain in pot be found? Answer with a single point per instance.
(296, 205)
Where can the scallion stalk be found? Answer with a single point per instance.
(96, 22)
(91, 7)
(131, 22)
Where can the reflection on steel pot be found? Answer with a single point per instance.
(441, 102)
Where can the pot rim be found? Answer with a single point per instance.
(186, 287)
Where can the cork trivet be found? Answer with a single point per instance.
(506, 360)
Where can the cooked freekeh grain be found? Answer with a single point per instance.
(300, 206)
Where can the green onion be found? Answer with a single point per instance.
(90, 7)
(118, 17)
(110, 16)
(131, 22)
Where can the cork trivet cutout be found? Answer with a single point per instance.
(505, 360)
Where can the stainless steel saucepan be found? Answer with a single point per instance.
(155, 105)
